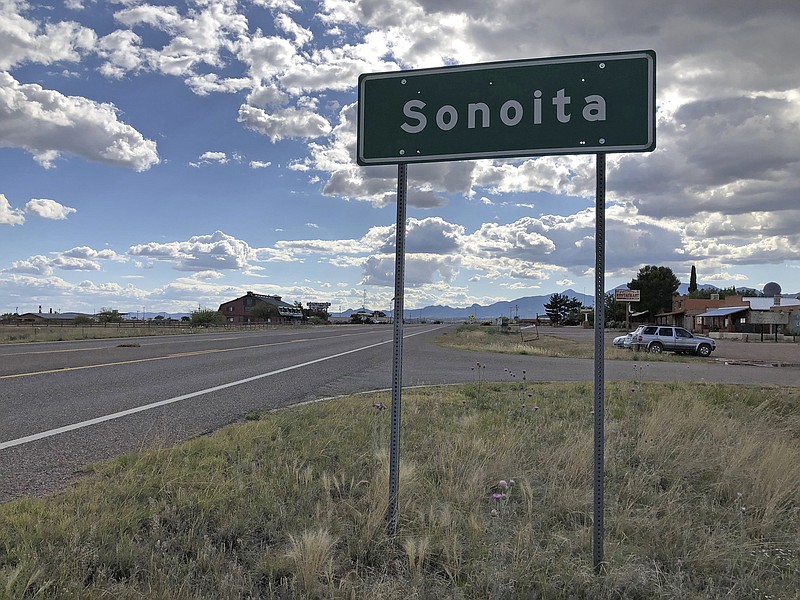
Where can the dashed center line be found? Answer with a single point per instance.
(131, 411)
(155, 358)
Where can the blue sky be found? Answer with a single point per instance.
(174, 155)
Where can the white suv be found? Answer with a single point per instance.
(658, 338)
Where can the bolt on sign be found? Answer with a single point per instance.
(567, 105)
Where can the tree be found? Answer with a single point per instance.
(693, 280)
(207, 318)
(563, 310)
(657, 285)
(108, 315)
(82, 320)
(264, 311)
(614, 311)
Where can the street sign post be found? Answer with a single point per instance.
(564, 105)
(589, 104)
(628, 296)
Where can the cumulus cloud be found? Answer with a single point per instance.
(207, 158)
(24, 40)
(37, 265)
(122, 52)
(47, 124)
(215, 252)
(9, 215)
(721, 188)
(90, 253)
(197, 37)
(80, 258)
(421, 269)
(48, 209)
(285, 123)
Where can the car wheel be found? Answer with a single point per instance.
(704, 350)
(656, 348)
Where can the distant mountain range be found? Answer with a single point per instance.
(526, 308)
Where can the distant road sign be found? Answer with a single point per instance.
(628, 295)
(564, 105)
(318, 306)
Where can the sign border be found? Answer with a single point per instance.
(619, 296)
(648, 146)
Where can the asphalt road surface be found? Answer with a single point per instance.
(64, 405)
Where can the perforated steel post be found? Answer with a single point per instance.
(397, 352)
(599, 379)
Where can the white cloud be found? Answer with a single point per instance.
(208, 275)
(122, 52)
(285, 123)
(23, 40)
(720, 190)
(287, 5)
(301, 35)
(47, 124)
(215, 252)
(205, 84)
(92, 254)
(165, 18)
(69, 263)
(198, 37)
(421, 269)
(48, 209)
(8, 215)
(207, 158)
(37, 265)
(81, 258)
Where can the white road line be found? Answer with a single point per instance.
(131, 411)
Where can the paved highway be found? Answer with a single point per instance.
(64, 405)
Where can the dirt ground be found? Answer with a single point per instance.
(783, 353)
(772, 352)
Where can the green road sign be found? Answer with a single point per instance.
(588, 104)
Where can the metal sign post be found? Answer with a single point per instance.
(397, 351)
(599, 376)
(587, 104)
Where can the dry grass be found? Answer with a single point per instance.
(702, 491)
(47, 333)
(493, 339)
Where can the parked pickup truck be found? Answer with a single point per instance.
(660, 338)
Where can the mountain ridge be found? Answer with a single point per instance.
(526, 307)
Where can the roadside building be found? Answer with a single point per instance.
(239, 311)
(685, 310)
(50, 318)
(758, 315)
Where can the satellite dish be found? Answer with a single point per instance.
(772, 289)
